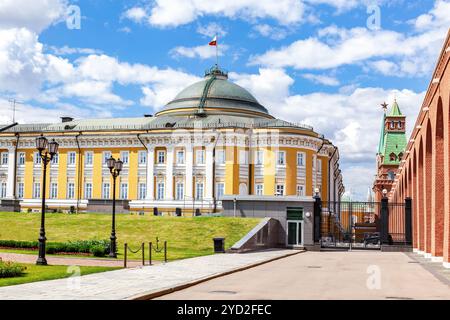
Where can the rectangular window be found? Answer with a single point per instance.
(319, 165)
(105, 190)
(55, 158)
(3, 190)
(142, 157)
(200, 156)
(124, 156)
(199, 191)
(300, 190)
(259, 189)
(71, 158)
(21, 160)
(300, 159)
(88, 158)
(53, 190)
(243, 157)
(70, 190)
(220, 190)
(161, 157)
(160, 191)
(88, 190)
(36, 190)
(279, 190)
(180, 157)
(20, 190)
(281, 158)
(4, 158)
(37, 158)
(259, 157)
(106, 156)
(123, 191)
(142, 191)
(220, 156)
(179, 195)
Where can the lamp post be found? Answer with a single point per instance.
(114, 166)
(47, 150)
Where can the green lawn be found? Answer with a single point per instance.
(186, 237)
(39, 273)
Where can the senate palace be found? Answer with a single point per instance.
(213, 140)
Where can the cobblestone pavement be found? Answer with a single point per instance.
(69, 261)
(351, 275)
(135, 282)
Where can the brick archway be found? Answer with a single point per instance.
(428, 172)
(420, 196)
(437, 219)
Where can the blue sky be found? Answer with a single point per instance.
(314, 61)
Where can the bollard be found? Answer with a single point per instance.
(125, 255)
(150, 253)
(143, 253)
(165, 251)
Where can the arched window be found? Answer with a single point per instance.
(400, 155)
(392, 157)
(391, 175)
(399, 124)
(392, 124)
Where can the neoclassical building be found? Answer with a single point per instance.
(213, 139)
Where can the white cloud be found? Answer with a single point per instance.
(202, 52)
(437, 17)
(321, 79)
(32, 15)
(135, 14)
(271, 32)
(211, 29)
(66, 50)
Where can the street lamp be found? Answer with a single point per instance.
(47, 150)
(114, 166)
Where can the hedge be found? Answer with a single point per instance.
(10, 269)
(98, 248)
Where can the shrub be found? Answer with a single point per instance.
(10, 269)
(98, 250)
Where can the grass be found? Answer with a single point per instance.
(39, 273)
(186, 236)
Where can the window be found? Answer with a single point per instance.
(243, 155)
(53, 190)
(36, 190)
(3, 190)
(70, 190)
(4, 158)
(392, 125)
(391, 175)
(259, 157)
(279, 191)
(160, 191)
(105, 190)
(106, 156)
(161, 157)
(180, 157)
(142, 157)
(37, 158)
(20, 190)
(55, 158)
(281, 158)
(319, 165)
(179, 194)
(220, 190)
(200, 156)
(88, 190)
(300, 190)
(259, 189)
(300, 159)
(220, 156)
(400, 155)
(88, 158)
(21, 161)
(399, 124)
(124, 156)
(123, 194)
(199, 191)
(71, 157)
(392, 157)
(142, 191)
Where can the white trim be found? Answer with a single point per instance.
(437, 259)
(82, 204)
(446, 265)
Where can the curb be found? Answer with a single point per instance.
(155, 294)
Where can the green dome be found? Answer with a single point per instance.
(215, 92)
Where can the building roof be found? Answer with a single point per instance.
(395, 110)
(215, 92)
(395, 142)
(381, 142)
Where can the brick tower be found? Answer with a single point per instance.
(391, 148)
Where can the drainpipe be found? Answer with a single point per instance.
(15, 167)
(315, 173)
(79, 171)
(329, 174)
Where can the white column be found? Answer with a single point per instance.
(150, 173)
(11, 178)
(189, 172)
(209, 173)
(169, 174)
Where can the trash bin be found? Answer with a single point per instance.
(219, 245)
(197, 212)
(155, 211)
(178, 212)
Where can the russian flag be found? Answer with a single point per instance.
(213, 42)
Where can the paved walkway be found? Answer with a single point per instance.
(326, 275)
(136, 282)
(70, 261)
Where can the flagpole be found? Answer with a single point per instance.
(217, 52)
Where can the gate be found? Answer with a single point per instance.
(362, 225)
